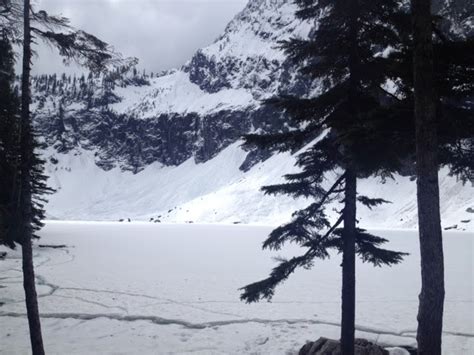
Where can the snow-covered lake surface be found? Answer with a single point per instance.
(173, 289)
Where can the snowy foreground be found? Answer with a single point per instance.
(173, 289)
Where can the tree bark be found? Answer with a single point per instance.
(430, 312)
(350, 201)
(25, 193)
(31, 298)
(348, 265)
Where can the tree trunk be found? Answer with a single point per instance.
(348, 265)
(350, 201)
(31, 299)
(25, 194)
(430, 312)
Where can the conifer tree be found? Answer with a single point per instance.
(84, 48)
(342, 133)
(9, 120)
(433, 70)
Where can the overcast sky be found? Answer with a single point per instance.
(163, 34)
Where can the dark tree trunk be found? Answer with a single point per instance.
(430, 312)
(31, 298)
(350, 200)
(348, 265)
(25, 194)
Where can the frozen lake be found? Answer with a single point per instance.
(126, 288)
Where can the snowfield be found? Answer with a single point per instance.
(142, 288)
(175, 93)
(218, 192)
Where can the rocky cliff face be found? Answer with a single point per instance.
(132, 120)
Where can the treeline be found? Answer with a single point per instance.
(93, 89)
(80, 87)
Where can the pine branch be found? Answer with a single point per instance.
(265, 289)
(49, 22)
(280, 142)
(295, 189)
(301, 229)
(318, 248)
(333, 189)
(368, 250)
(328, 240)
(370, 203)
(377, 256)
(83, 48)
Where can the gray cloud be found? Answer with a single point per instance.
(163, 34)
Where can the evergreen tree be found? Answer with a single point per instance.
(9, 120)
(23, 193)
(16, 18)
(453, 63)
(433, 69)
(345, 136)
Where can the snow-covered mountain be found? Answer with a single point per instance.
(166, 147)
(195, 111)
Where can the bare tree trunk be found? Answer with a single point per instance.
(350, 200)
(348, 265)
(430, 312)
(31, 298)
(25, 194)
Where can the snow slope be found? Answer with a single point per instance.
(173, 289)
(218, 192)
(175, 93)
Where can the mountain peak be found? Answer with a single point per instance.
(247, 54)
